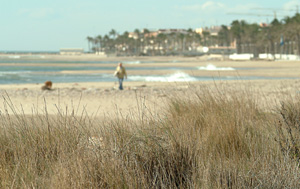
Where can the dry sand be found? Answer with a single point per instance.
(103, 98)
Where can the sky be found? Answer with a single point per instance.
(48, 25)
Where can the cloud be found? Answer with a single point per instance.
(207, 6)
(243, 8)
(210, 5)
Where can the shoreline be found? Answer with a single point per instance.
(103, 98)
(191, 66)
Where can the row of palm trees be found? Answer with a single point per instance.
(277, 37)
(145, 43)
(280, 36)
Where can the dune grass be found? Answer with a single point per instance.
(203, 140)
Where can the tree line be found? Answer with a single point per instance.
(144, 42)
(277, 37)
(280, 36)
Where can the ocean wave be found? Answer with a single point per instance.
(14, 72)
(211, 67)
(14, 57)
(176, 77)
(132, 62)
(34, 56)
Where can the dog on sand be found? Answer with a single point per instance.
(47, 85)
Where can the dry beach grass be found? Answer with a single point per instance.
(213, 134)
(202, 140)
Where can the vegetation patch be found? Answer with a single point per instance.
(204, 140)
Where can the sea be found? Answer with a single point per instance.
(10, 73)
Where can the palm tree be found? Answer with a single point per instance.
(137, 41)
(105, 41)
(160, 39)
(99, 40)
(181, 41)
(90, 40)
(292, 28)
(145, 37)
(190, 39)
(237, 30)
(206, 35)
(113, 33)
(224, 36)
(137, 32)
(251, 32)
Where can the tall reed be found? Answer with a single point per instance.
(201, 140)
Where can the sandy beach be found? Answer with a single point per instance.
(92, 135)
(104, 99)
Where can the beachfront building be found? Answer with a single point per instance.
(71, 51)
(172, 31)
(213, 30)
(150, 34)
(133, 35)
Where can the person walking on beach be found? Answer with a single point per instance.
(121, 74)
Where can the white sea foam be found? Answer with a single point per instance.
(15, 57)
(211, 67)
(14, 72)
(35, 56)
(176, 77)
(132, 62)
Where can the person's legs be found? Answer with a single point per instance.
(121, 84)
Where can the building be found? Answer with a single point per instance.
(170, 31)
(165, 31)
(263, 25)
(151, 34)
(71, 51)
(133, 35)
(213, 30)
